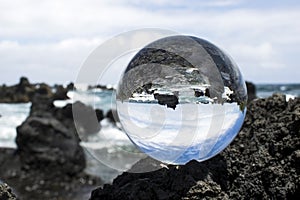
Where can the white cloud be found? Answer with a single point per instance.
(56, 36)
(221, 3)
(261, 55)
(44, 62)
(183, 3)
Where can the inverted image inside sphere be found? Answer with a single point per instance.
(181, 98)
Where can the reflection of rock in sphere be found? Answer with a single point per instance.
(181, 63)
(165, 99)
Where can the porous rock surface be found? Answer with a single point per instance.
(48, 138)
(6, 192)
(49, 162)
(25, 91)
(261, 163)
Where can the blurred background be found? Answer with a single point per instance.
(47, 41)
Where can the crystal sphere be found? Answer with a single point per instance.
(181, 98)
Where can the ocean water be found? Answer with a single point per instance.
(104, 142)
(266, 90)
(12, 115)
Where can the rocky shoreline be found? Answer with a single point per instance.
(36, 184)
(24, 91)
(262, 163)
(49, 162)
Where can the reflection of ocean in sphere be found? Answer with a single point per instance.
(181, 98)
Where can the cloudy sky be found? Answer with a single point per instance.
(49, 40)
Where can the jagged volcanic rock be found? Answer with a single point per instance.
(262, 163)
(48, 138)
(6, 192)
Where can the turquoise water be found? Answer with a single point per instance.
(265, 90)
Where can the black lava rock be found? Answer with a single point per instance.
(164, 99)
(24, 92)
(47, 144)
(251, 90)
(86, 118)
(6, 192)
(71, 86)
(36, 184)
(48, 138)
(60, 92)
(99, 114)
(261, 163)
(112, 116)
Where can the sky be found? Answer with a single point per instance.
(48, 41)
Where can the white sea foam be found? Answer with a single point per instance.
(62, 103)
(108, 137)
(12, 115)
(289, 96)
(86, 98)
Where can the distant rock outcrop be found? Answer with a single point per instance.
(251, 90)
(102, 87)
(112, 116)
(48, 138)
(24, 92)
(60, 92)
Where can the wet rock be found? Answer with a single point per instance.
(112, 116)
(86, 118)
(41, 105)
(200, 93)
(165, 99)
(48, 138)
(99, 114)
(102, 87)
(60, 92)
(36, 184)
(70, 86)
(6, 192)
(24, 92)
(24, 82)
(261, 163)
(251, 90)
(21, 92)
(44, 89)
(47, 144)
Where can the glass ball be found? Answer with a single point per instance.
(181, 98)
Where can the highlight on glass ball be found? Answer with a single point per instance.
(181, 98)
